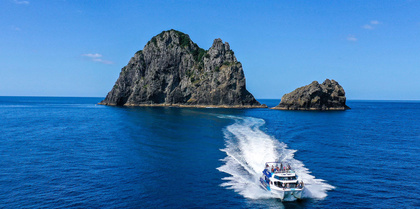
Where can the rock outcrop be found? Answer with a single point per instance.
(172, 70)
(326, 96)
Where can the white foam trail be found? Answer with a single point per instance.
(248, 148)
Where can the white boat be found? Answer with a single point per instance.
(282, 181)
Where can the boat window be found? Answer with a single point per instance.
(284, 178)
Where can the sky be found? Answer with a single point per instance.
(78, 47)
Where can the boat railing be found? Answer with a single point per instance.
(280, 170)
(289, 186)
(279, 167)
(284, 171)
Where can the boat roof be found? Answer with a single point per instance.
(284, 181)
(285, 174)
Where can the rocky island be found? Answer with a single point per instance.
(172, 70)
(326, 96)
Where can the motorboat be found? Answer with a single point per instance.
(281, 180)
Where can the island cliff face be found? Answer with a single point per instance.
(172, 70)
(326, 96)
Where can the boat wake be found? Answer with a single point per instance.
(248, 148)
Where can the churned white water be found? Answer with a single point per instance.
(248, 148)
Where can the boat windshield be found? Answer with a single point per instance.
(288, 185)
(284, 178)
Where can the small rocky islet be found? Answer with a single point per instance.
(171, 70)
(326, 96)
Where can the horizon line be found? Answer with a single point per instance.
(256, 99)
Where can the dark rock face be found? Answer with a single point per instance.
(172, 70)
(326, 96)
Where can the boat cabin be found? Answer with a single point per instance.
(281, 175)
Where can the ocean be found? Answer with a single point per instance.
(72, 153)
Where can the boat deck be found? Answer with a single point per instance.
(279, 168)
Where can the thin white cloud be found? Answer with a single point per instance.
(95, 57)
(16, 28)
(103, 61)
(371, 25)
(351, 38)
(367, 26)
(374, 22)
(21, 2)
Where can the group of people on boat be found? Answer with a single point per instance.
(299, 185)
(282, 168)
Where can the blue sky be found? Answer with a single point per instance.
(77, 48)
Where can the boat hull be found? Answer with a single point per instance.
(287, 195)
(283, 194)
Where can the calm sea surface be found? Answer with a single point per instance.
(72, 153)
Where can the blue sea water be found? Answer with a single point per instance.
(72, 153)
